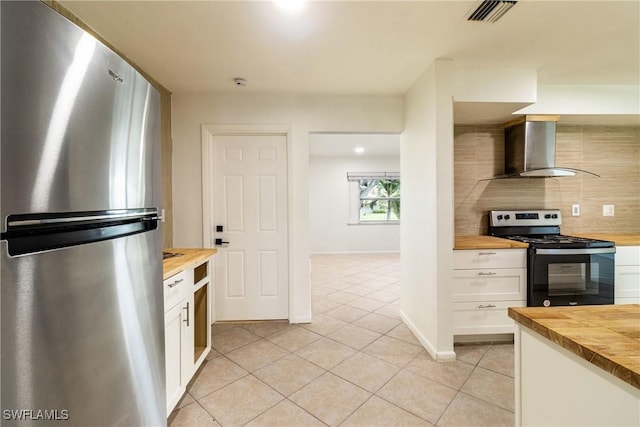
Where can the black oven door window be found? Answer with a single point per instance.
(571, 279)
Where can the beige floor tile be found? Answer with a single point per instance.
(192, 415)
(367, 304)
(491, 387)
(470, 353)
(267, 328)
(452, 374)
(402, 332)
(374, 284)
(358, 290)
(389, 310)
(294, 339)
(330, 398)
(366, 371)
(230, 339)
(418, 395)
(392, 350)
(241, 401)
(257, 354)
(289, 374)
(286, 413)
(379, 412)
(323, 324)
(377, 322)
(354, 336)
(186, 399)
(325, 352)
(353, 279)
(384, 296)
(499, 359)
(220, 327)
(341, 297)
(337, 285)
(322, 304)
(466, 410)
(346, 313)
(214, 375)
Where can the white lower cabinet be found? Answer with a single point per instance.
(187, 323)
(627, 275)
(485, 284)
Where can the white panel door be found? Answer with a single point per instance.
(250, 202)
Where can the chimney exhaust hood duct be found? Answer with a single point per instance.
(530, 149)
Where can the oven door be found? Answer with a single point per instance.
(571, 277)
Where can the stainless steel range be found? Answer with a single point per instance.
(561, 270)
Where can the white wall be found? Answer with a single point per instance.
(304, 114)
(330, 205)
(426, 158)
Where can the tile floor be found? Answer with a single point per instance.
(356, 364)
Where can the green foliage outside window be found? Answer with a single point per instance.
(379, 200)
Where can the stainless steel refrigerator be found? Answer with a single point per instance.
(82, 339)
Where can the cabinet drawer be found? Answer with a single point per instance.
(490, 317)
(627, 283)
(174, 290)
(627, 255)
(490, 258)
(505, 284)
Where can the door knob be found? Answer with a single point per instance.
(219, 242)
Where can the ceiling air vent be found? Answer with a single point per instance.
(491, 10)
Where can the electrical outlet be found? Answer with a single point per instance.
(575, 210)
(607, 210)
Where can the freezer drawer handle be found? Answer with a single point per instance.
(486, 253)
(486, 306)
(171, 285)
(490, 273)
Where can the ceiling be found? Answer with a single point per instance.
(345, 144)
(363, 47)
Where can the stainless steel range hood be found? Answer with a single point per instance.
(530, 149)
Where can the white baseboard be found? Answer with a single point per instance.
(440, 356)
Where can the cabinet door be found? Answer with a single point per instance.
(173, 356)
(627, 284)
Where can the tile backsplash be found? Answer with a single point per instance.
(613, 152)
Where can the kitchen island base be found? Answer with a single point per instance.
(554, 387)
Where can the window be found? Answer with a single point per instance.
(378, 196)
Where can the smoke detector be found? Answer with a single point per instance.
(240, 82)
(490, 10)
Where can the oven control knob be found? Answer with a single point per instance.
(507, 217)
(546, 303)
(499, 217)
(547, 216)
(554, 216)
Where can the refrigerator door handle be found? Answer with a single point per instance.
(32, 233)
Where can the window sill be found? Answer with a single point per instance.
(375, 223)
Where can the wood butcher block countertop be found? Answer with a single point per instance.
(619, 238)
(608, 336)
(188, 259)
(487, 242)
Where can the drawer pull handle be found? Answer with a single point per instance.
(187, 319)
(490, 273)
(486, 306)
(486, 253)
(171, 285)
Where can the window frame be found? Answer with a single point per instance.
(356, 179)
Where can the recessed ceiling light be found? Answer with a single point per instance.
(359, 150)
(291, 5)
